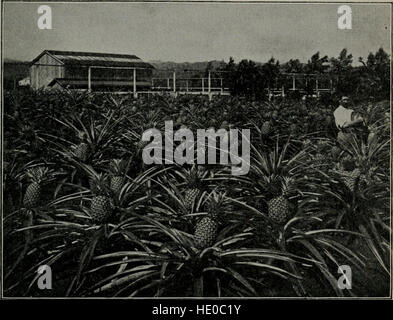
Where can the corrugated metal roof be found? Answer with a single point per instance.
(97, 59)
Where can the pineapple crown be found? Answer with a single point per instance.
(347, 163)
(193, 177)
(37, 174)
(99, 184)
(288, 185)
(281, 185)
(217, 203)
(82, 136)
(118, 167)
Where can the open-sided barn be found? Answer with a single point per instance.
(88, 70)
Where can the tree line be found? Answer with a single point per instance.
(369, 79)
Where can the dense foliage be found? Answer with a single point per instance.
(78, 197)
(368, 80)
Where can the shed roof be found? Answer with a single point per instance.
(95, 59)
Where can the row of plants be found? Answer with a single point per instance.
(78, 197)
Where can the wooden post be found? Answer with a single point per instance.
(331, 85)
(174, 81)
(221, 85)
(209, 86)
(134, 82)
(89, 79)
(316, 86)
(209, 83)
(293, 83)
(282, 91)
(167, 84)
(203, 84)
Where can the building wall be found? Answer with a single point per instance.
(43, 71)
(81, 72)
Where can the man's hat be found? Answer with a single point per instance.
(343, 99)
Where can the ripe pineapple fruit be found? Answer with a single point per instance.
(293, 128)
(82, 149)
(266, 128)
(342, 138)
(319, 160)
(189, 197)
(350, 177)
(372, 136)
(207, 228)
(33, 192)
(118, 169)
(278, 209)
(101, 205)
(335, 152)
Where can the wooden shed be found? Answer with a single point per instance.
(89, 70)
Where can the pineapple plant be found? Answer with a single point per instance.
(207, 228)
(101, 205)
(118, 169)
(36, 177)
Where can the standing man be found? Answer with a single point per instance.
(347, 120)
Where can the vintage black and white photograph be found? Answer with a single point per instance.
(196, 149)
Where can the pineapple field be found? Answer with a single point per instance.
(77, 197)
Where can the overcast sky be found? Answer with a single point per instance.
(196, 31)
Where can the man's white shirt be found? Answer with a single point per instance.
(342, 116)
